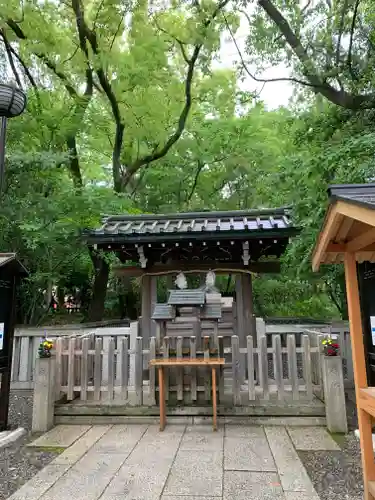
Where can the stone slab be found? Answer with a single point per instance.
(247, 450)
(120, 439)
(82, 445)
(312, 439)
(202, 438)
(156, 447)
(298, 495)
(61, 436)
(241, 485)
(137, 482)
(198, 473)
(293, 475)
(168, 497)
(87, 479)
(244, 431)
(40, 483)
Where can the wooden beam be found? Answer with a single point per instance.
(336, 248)
(356, 212)
(361, 241)
(355, 320)
(359, 365)
(191, 267)
(328, 234)
(344, 229)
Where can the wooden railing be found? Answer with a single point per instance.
(116, 374)
(26, 342)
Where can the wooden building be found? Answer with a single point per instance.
(237, 242)
(348, 235)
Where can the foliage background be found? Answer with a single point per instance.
(128, 111)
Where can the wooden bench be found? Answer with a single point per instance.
(161, 364)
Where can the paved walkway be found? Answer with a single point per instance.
(137, 462)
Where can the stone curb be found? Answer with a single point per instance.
(8, 437)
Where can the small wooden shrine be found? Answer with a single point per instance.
(240, 243)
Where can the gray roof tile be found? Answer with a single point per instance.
(195, 222)
(360, 194)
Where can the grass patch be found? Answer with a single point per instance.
(339, 438)
(49, 449)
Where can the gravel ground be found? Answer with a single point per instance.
(337, 475)
(18, 463)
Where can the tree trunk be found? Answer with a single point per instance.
(99, 290)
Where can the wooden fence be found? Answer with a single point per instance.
(26, 342)
(282, 374)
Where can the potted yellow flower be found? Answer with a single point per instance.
(45, 348)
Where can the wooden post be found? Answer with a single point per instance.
(111, 369)
(359, 366)
(241, 328)
(161, 398)
(214, 400)
(236, 384)
(146, 309)
(84, 368)
(124, 367)
(138, 372)
(153, 301)
(292, 365)
(278, 366)
(240, 310)
(263, 367)
(250, 368)
(98, 368)
(248, 305)
(152, 355)
(193, 370)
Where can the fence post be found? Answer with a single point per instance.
(236, 371)
(261, 332)
(334, 394)
(44, 394)
(138, 372)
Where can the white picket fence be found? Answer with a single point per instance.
(26, 342)
(88, 371)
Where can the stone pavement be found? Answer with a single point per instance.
(137, 462)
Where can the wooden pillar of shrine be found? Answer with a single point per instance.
(248, 306)
(148, 301)
(245, 323)
(245, 308)
(360, 375)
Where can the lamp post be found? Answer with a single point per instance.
(12, 103)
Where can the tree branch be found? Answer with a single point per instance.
(349, 59)
(196, 177)
(256, 78)
(341, 29)
(339, 97)
(86, 34)
(175, 136)
(10, 59)
(25, 69)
